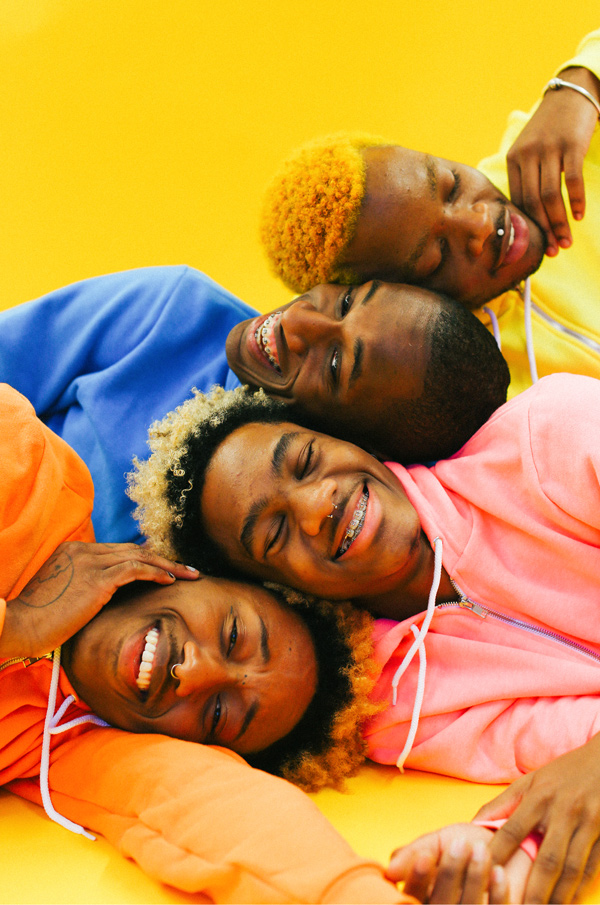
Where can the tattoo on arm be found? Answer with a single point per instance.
(50, 583)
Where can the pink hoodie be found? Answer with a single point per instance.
(518, 512)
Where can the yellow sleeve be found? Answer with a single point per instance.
(202, 820)
(587, 56)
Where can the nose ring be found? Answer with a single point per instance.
(331, 513)
(173, 668)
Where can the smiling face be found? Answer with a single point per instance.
(246, 664)
(402, 371)
(442, 225)
(316, 513)
(335, 347)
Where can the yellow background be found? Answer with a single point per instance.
(140, 132)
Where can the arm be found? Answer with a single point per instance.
(556, 140)
(200, 819)
(71, 587)
(562, 800)
(454, 865)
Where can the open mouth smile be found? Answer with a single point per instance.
(147, 660)
(355, 524)
(265, 339)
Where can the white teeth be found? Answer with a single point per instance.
(511, 238)
(145, 671)
(356, 522)
(265, 338)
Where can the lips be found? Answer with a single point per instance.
(520, 239)
(262, 340)
(355, 524)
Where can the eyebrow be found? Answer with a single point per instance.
(248, 528)
(264, 641)
(250, 714)
(414, 258)
(359, 346)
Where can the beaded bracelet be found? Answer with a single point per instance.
(555, 84)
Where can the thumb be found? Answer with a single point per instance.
(502, 805)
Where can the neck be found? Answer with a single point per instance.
(407, 598)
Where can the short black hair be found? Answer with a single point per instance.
(466, 380)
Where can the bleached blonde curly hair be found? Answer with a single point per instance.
(326, 746)
(311, 207)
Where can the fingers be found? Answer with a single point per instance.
(418, 875)
(573, 167)
(505, 803)
(463, 873)
(123, 563)
(552, 201)
(590, 872)
(561, 865)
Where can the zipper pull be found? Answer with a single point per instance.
(467, 604)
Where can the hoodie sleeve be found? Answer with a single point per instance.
(103, 358)
(203, 821)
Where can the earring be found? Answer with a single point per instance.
(173, 668)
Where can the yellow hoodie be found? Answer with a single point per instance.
(565, 291)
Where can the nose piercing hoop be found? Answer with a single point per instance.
(173, 668)
(331, 513)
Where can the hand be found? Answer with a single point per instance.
(562, 801)
(71, 587)
(555, 139)
(452, 865)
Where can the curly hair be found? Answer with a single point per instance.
(167, 487)
(311, 208)
(327, 746)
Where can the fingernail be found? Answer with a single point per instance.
(191, 569)
(497, 873)
(457, 848)
(170, 574)
(578, 216)
(479, 852)
(551, 251)
(564, 243)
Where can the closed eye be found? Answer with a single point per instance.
(274, 535)
(305, 460)
(455, 190)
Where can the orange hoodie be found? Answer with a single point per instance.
(193, 816)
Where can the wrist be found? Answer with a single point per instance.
(583, 78)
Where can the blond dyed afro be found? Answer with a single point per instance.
(311, 208)
(327, 745)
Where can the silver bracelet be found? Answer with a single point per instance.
(555, 84)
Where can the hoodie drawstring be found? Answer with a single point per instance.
(51, 728)
(528, 329)
(419, 644)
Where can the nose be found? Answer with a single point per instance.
(304, 326)
(474, 223)
(203, 671)
(312, 503)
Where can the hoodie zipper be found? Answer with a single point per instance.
(568, 331)
(26, 661)
(466, 603)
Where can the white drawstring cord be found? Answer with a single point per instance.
(50, 728)
(529, 331)
(495, 325)
(419, 644)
